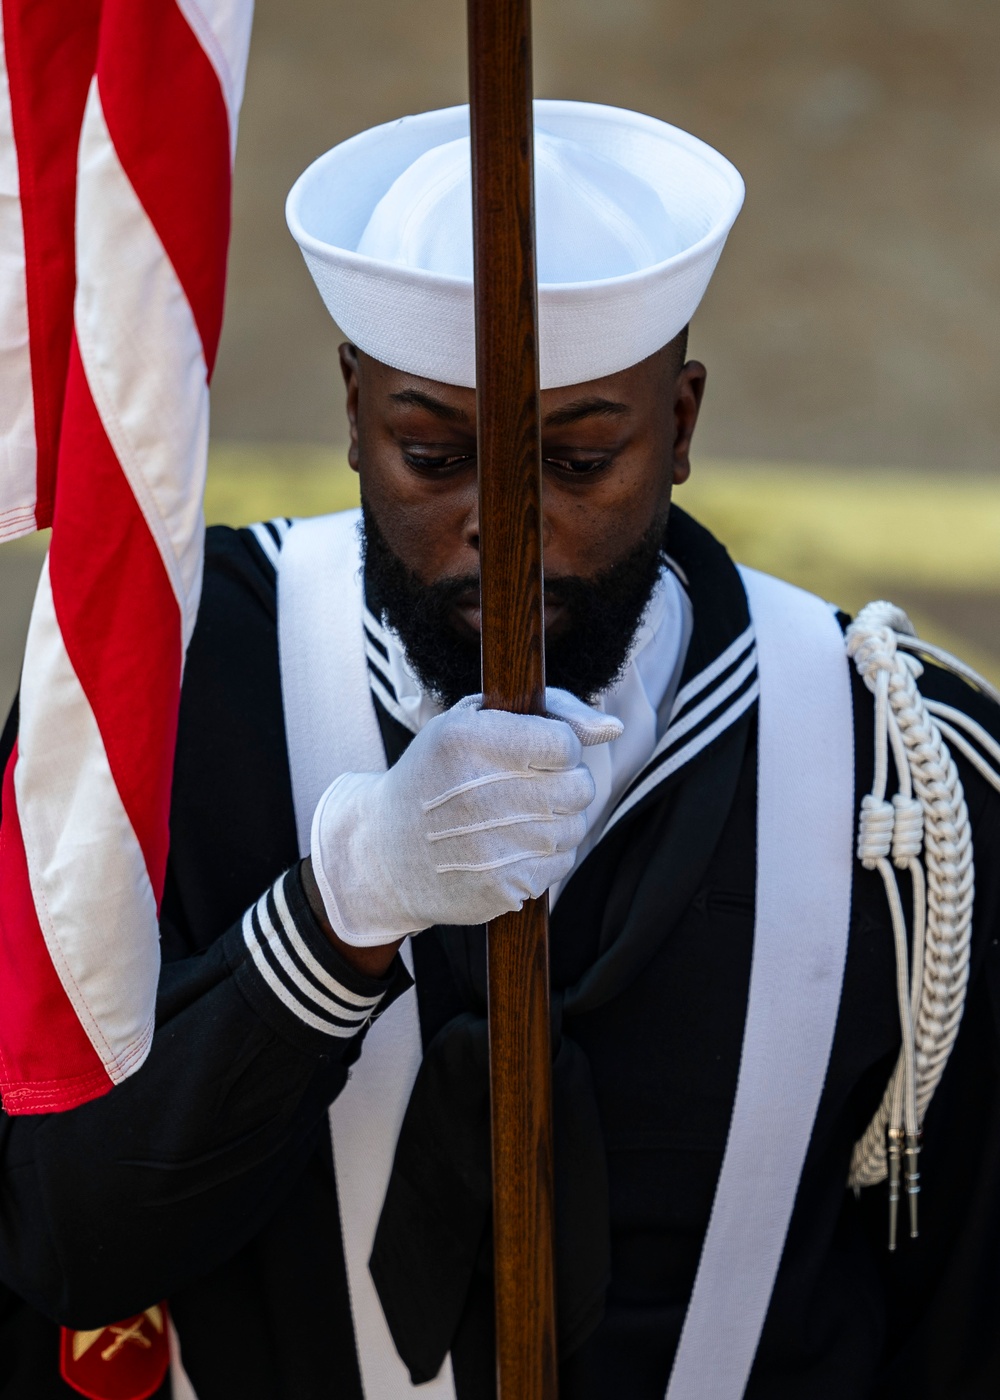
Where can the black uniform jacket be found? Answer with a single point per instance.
(207, 1177)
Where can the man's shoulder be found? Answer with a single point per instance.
(241, 563)
(968, 718)
(943, 679)
(944, 686)
(232, 823)
(237, 614)
(236, 633)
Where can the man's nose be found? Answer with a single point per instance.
(470, 529)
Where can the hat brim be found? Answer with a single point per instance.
(424, 323)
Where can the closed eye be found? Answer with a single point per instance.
(437, 463)
(578, 466)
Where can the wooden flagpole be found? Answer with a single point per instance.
(510, 523)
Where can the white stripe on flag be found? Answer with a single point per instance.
(18, 457)
(88, 877)
(222, 27)
(143, 359)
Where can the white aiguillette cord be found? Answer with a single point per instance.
(331, 728)
(805, 836)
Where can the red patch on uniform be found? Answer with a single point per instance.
(123, 1361)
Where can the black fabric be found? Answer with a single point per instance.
(437, 1210)
(8, 736)
(207, 1178)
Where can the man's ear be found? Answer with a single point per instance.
(350, 369)
(689, 390)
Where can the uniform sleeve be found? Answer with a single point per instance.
(112, 1206)
(109, 1207)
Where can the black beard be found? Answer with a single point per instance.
(589, 654)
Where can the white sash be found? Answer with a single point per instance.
(805, 835)
(331, 728)
(804, 859)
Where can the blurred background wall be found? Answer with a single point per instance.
(852, 332)
(855, 317)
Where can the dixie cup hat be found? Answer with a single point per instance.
(631, 217)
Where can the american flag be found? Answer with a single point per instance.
(117, 134)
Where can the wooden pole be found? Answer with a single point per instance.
(510, 524)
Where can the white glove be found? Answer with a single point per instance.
(484, 810)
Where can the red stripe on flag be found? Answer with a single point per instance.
(50, 51)
(40, 1036)
(119, 620)
(169, 124)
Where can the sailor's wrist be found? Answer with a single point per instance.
(298, 981)
(373, 960)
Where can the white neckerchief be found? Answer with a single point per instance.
(641, 698)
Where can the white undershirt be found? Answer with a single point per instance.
(641, 699)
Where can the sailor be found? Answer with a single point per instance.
(766, 831)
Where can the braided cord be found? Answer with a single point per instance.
(928, 812)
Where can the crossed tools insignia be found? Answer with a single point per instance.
(122, 1334)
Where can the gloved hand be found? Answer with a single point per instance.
(484, 810)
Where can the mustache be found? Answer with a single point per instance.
(465, 588)
(585, 655)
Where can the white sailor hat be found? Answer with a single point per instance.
(631, 217)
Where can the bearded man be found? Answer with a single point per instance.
(301, 1168)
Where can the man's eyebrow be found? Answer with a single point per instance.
(584, 408)
(413, 398)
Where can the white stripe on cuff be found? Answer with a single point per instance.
(296, 981)
(293, 989)
(295, 939)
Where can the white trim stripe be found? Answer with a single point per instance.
(684, 755)
(265, 539)
(265, 928)
(373, 624)
(375, 644)
(658, 763)
(390, 704)
(271, 958)
(725, 659)
(379, 666)
(295, 940)
(271, 535)
(705, 707)
(317, 1023)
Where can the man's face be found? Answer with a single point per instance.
(612, 449)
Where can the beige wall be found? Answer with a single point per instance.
(856, 314)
